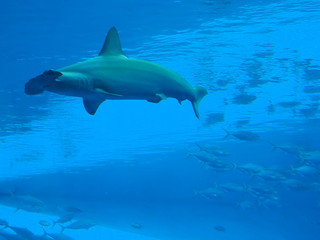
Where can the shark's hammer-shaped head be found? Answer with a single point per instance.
(38, 84)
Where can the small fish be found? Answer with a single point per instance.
(311, 156)
(316, 187)
(223, 82)
(314, 98)
(217, 151)
(232, 187)
(220, 228)
(270, 175)
(262, 191)
(310, 111)
(136, 225)
(23, 232)
(243, 135)
(9, 236)
(5, 194)
(245, 205)
(59, 236)
(44, 223)
(311, 89)
(214, 162)
(71, 209)
(213, 118)
(306, 170)
(312, 74)
(289, 104)
(241, 123)
(271, 108)
(220, 166)
(210, 193)
(63, 219)
(244, 99)
(205, 157)
(4, 224)
(80, 224)
(295, 185)
(254, 83)
(28, 203)
(288, 148)
(269, 203)
(250, 168)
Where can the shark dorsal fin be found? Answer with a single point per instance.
(112, 45)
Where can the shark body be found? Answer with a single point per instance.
(112, 75)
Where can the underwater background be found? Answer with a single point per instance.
(248, 169)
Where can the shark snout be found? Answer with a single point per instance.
(39, 84)
(32, 88)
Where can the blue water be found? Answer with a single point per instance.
(133, 169)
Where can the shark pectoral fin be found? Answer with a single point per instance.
(157, 98)
(112, 45)
(107, 93)
(91, 105)
(162, 96)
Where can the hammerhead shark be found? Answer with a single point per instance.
(112, 75)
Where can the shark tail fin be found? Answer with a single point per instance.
(199, 93)
(227, 133)
(62, 228)
(4, 227)
(44, 232)
(54, 223)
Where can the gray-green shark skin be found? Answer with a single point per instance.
(112, 75)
